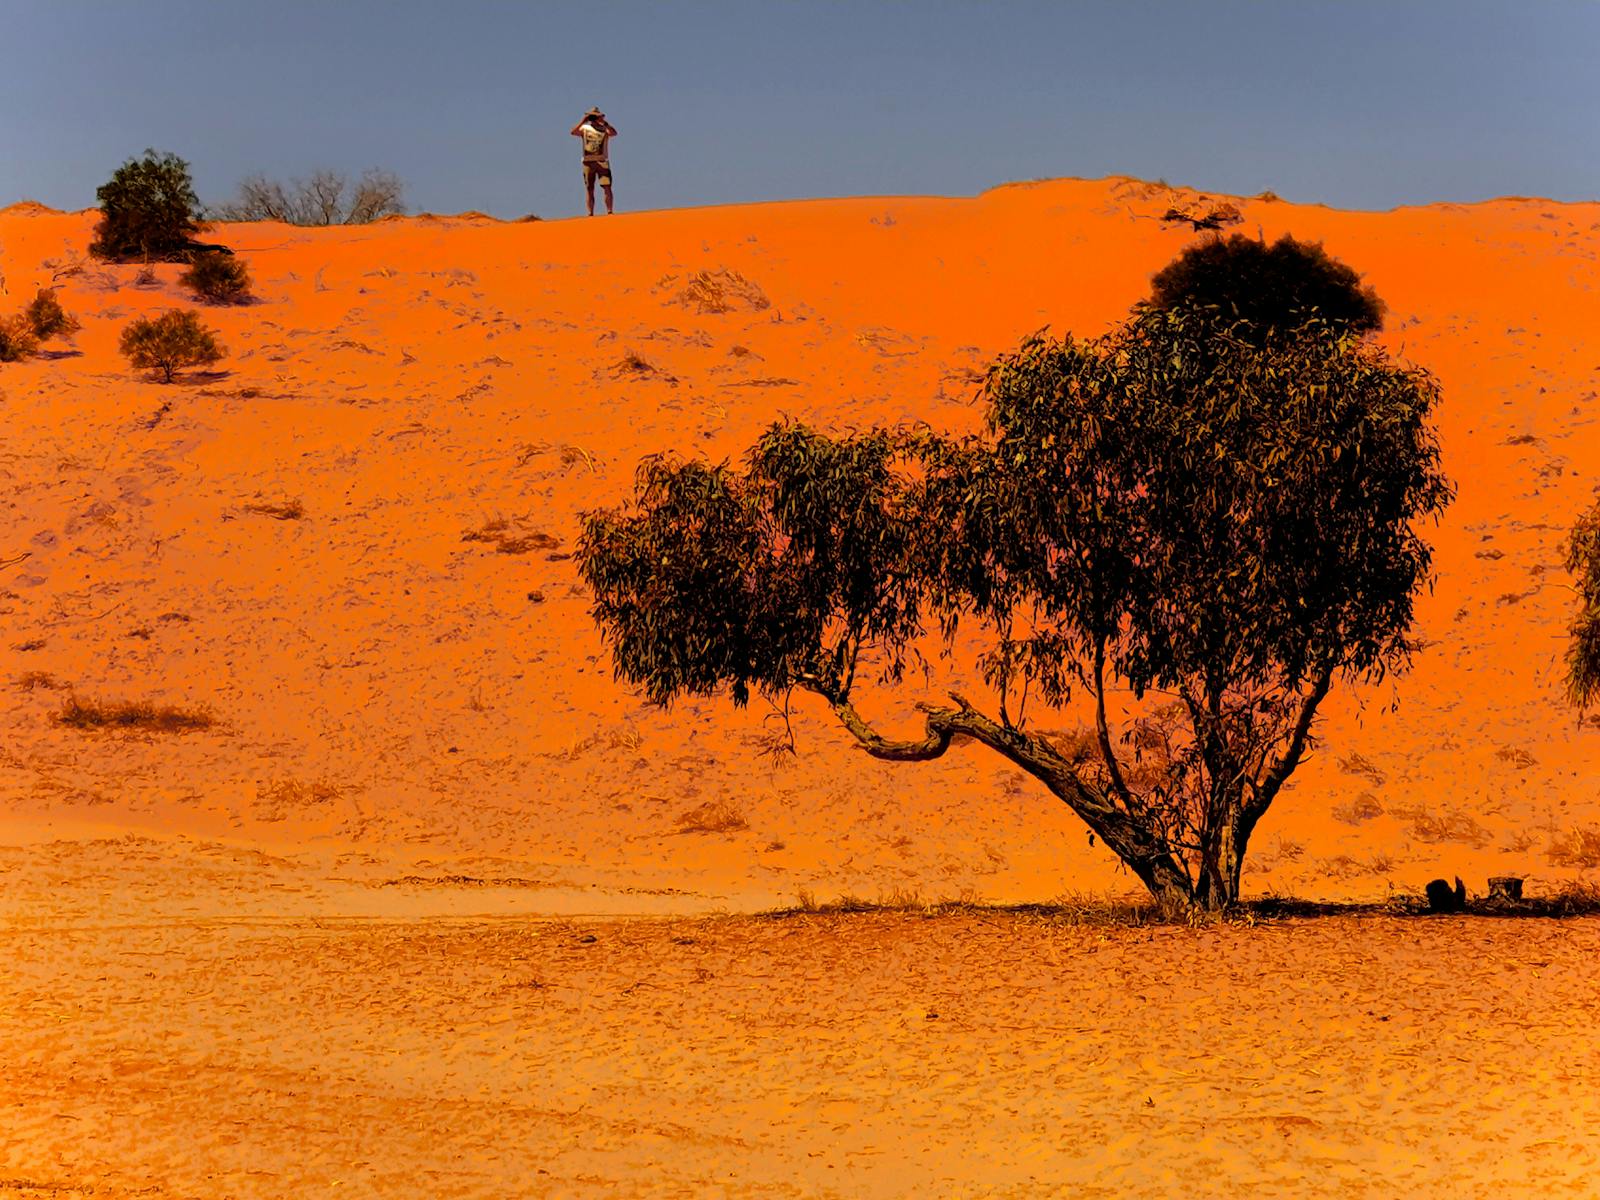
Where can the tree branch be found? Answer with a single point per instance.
(1113, 768)
(1267, 789)
(1146, 853)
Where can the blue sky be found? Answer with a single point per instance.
(1353, 103)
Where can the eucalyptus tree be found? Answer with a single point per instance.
(1184, 532)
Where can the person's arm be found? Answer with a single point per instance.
(611, 130)
(577, 130)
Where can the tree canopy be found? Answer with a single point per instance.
(1270, 287)
(1184, 532)
(148, 210)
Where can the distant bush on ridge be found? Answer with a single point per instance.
(325, 198)
(148, 211)
(1272, 287)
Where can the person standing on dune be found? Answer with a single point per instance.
(596, 133)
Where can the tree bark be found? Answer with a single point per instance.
(1139, 847)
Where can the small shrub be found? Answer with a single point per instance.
(218, 278)
(141, 714)
(169, 343)
(17, 339)
(46, 317)
(1272, 287)
(148, 210)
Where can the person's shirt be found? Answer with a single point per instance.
(596, 143)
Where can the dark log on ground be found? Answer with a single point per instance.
(1442, 898)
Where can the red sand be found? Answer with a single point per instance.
(269, 957)
(384, 685)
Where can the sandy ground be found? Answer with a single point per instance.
(336, 944)
(826, 1056)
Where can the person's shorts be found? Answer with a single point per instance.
(594, 172)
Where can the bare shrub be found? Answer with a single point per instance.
(169, 343)
(136, 714)
(218, 278)
(324, 198)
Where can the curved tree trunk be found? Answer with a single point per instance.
(1132, 840)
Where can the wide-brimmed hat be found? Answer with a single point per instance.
(594, 111)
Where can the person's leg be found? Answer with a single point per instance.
(605, 185)
(588, 185)
(608, 200)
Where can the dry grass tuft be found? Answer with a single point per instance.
(1444, 826)
(717, 291)
(29, 680)
(500, 533)
(1576, 848)
(1064, 910)
(132, 714)
(1364, 807)
(280, 510)
(714, 816)
(1357, 764)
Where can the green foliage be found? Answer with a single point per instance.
(149, 210)
(169, 343)
(757, 579)
(218, 278)
(17, 339)
(1219, 518)
(1583, 656)
(1272, 287)
(46, 317)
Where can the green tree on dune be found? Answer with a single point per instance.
(1186, 532)
(148, 210)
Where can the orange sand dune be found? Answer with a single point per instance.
(394, 699)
